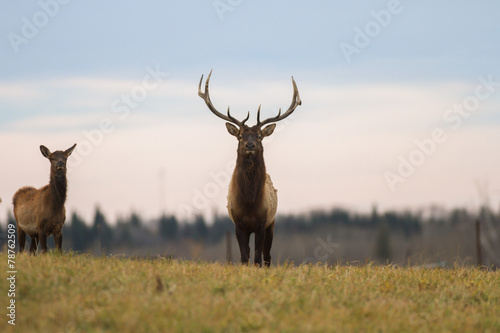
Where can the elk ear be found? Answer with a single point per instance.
(233, 130)
(45, 151)
(70, 150)
(268, 130)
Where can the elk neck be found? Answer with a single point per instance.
(58, 188)
(250, 178)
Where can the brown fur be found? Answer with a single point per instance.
(41, 213)
(249, 178)
(252, 200)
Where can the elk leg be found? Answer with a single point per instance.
(268, 243)
(58, 240)
(43, 241)
(22, 239)
(34, 244)
(243, 237)
(259, 244)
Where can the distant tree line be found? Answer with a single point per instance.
(133, 231)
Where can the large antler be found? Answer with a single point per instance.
(295, 102)
(206, 98)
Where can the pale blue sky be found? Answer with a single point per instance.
(113, 38)
(86, 54)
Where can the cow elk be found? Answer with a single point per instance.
(252, 199)
(41, 213)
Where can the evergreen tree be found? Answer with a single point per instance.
(383, 242)
(123, 234)
(79, 233)
(102, 233)
(374, 219)
(168, 227)
(135, 220)
(219, 228)
(200, 230)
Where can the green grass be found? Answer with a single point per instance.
(79, 293)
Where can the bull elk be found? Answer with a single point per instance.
(252, 200)
(41, 213)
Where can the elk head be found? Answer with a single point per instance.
(250, 138)
(57, 159)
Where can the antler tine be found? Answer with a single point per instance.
(245, 120)
(296, 101)
(234, 120)
(206, 97)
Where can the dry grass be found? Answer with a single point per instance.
(78, 293)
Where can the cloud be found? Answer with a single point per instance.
(332, 151)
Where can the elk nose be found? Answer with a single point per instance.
(60, 166)
(250, 145)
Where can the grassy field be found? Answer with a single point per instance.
(78, 293)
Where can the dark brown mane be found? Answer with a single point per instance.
(252, 200)
(251, 179)
(58, 188)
